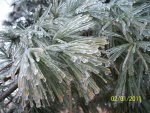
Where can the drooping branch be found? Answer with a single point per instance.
(8, 91)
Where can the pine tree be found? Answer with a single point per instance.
(76, 54)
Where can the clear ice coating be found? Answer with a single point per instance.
(74, 58)
(33, 74)
(80, 54)
(84, 60)
(37, 56)
(107, 64)
(35, 71)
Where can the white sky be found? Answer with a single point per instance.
(5, 9)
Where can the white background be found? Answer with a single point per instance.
(5, 9)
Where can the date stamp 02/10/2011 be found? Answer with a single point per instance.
(126, 99)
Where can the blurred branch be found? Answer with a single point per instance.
(5, 79)
(12, 88)
(7, 66)
(8, 91)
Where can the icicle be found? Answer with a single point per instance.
(26, 66)
(145, 48)
(148, 48)
(29, 35)
(97, 91)
(60, 81)
(38, 103)
(107, 64)
(44, 79)
(85, 85)
(84, 60)
(31, 103)
(20, 91)
(96, 62)
(91, 95)
(37, 82)
(98, 53)
(37, 56)
(37, 59)
(41, 76)
(117, 20)
(26, 97)
(35, 71)
(87, 75)
(74, 58)
(107, 72)
(16, 63)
